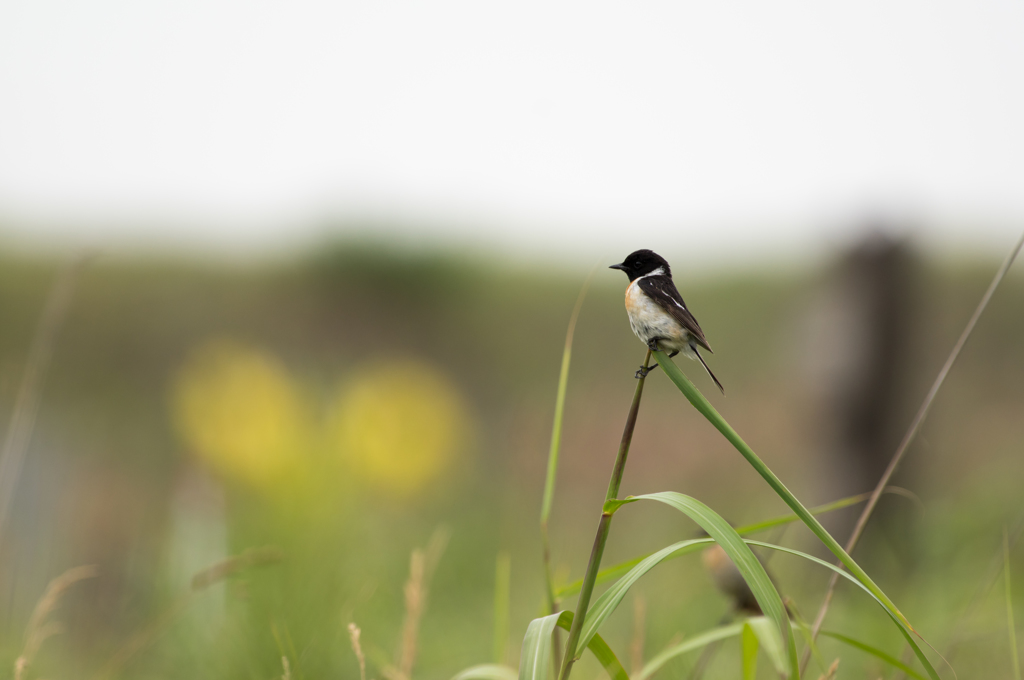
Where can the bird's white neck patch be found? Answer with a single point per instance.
(660, 271)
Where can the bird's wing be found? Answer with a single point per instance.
(663, 291)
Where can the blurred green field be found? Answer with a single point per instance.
(344, 405)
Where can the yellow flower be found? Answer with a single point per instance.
(238, 409)
(400, 425)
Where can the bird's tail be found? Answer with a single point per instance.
(705, 365)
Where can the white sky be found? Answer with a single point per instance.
(727, 128)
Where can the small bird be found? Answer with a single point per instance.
(657, 313)
(729, 581)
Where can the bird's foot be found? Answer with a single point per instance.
(644, 371)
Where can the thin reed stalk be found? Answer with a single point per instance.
(502, 588)
(26, 405)
(603, 526)
(908, 438)
(422, 564)
(553, 450)
(636, 646)
(991, 576)
(1010, 626)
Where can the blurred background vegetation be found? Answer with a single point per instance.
(334, 410)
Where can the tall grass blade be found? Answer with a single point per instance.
(1009, 607)
(487, 671)
(535, 660)
(749, 566)
(708, 411)
(875, 652)
(502, 589)
(26, 405)
(618, 570)
(748, 645)
(690, 645)
(904, 629)
(556, 441)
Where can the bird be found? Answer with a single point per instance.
(657, 313)
(728, 579)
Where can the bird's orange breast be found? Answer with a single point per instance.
(632, 293)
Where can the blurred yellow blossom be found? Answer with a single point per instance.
(239, 410)
(400, 425)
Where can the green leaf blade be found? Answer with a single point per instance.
(486, 671)
(535, 660)
(739, 552)
(875, 652)
(693, 644)
(606, 604)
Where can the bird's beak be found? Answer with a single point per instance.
(618, 266)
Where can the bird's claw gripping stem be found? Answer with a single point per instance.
(644, 371)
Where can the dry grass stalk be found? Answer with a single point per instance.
(254, 557)
(287, 675)
(353, 635)
(831, 671)
(422, 564)
(636, 647)
(200, 581)
(415, 599)
(39, 626)
(908, 438)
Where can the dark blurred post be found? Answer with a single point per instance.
(859, 359)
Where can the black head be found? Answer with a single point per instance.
(642, 262)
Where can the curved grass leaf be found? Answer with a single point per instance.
(693, 644)
(535, 660)
(618, 570)
(875, 652)
(903, 628)
(734, 546)
(487, 671)
(705, 408)
(611, 598)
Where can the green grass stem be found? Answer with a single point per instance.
(502, 587)
(1009, 607)
(590, 578)
(556, 441)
